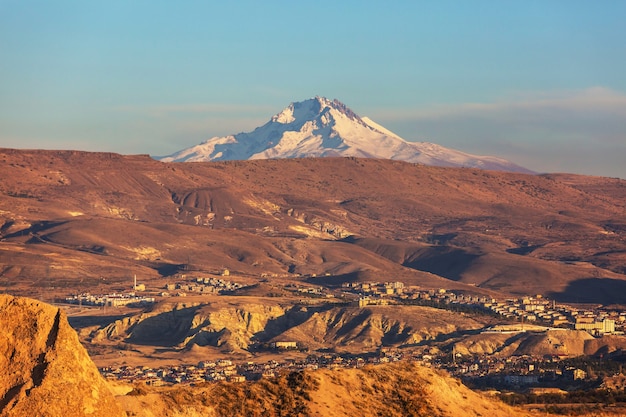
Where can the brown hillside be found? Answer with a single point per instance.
(67, 216)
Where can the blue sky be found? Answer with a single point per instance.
(541, 83)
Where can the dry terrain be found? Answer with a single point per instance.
(90, 221)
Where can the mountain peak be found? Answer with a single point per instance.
(319, 127)
(311, 108)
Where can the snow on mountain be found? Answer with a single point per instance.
(319, 127)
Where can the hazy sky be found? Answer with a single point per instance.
(542, 83)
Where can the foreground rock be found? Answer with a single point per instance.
(44, 370)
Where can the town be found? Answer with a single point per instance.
(529, 309)
(518, 315)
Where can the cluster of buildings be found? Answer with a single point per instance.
(530, 309)
(443, 296)
(203, 285)
(309, 292)
(597, 321)
(226, 370)
(109, 300)
(516, 371)
(374, 289)
(386, 292)
(599, 324)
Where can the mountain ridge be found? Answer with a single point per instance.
(319, 127)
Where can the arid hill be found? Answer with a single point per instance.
(44, 370)
(86, 221)
(246, 326)
(561, 342)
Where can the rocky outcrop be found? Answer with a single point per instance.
(44, 370)
(235, 328)
(537, 342)
(371, 327)
(320, 226)
(229, 328)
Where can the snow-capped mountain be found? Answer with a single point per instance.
(319, 127)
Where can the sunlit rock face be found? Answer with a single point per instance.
(44, 370)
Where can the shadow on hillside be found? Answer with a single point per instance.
(593, 290)
(524, 250)
(397, 334)
(35, 229)
(446, 262)
(443, 337)
(355, 322)
(292, 318)
(79, 322)
(523, 338)
(334, 281)
(166, 270)
(165, 329)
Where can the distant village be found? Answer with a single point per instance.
(527, 313)
(529, 309)
(204, 285)
(210, 285)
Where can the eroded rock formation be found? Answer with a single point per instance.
(44, 370)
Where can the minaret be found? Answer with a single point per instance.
(135, 283)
